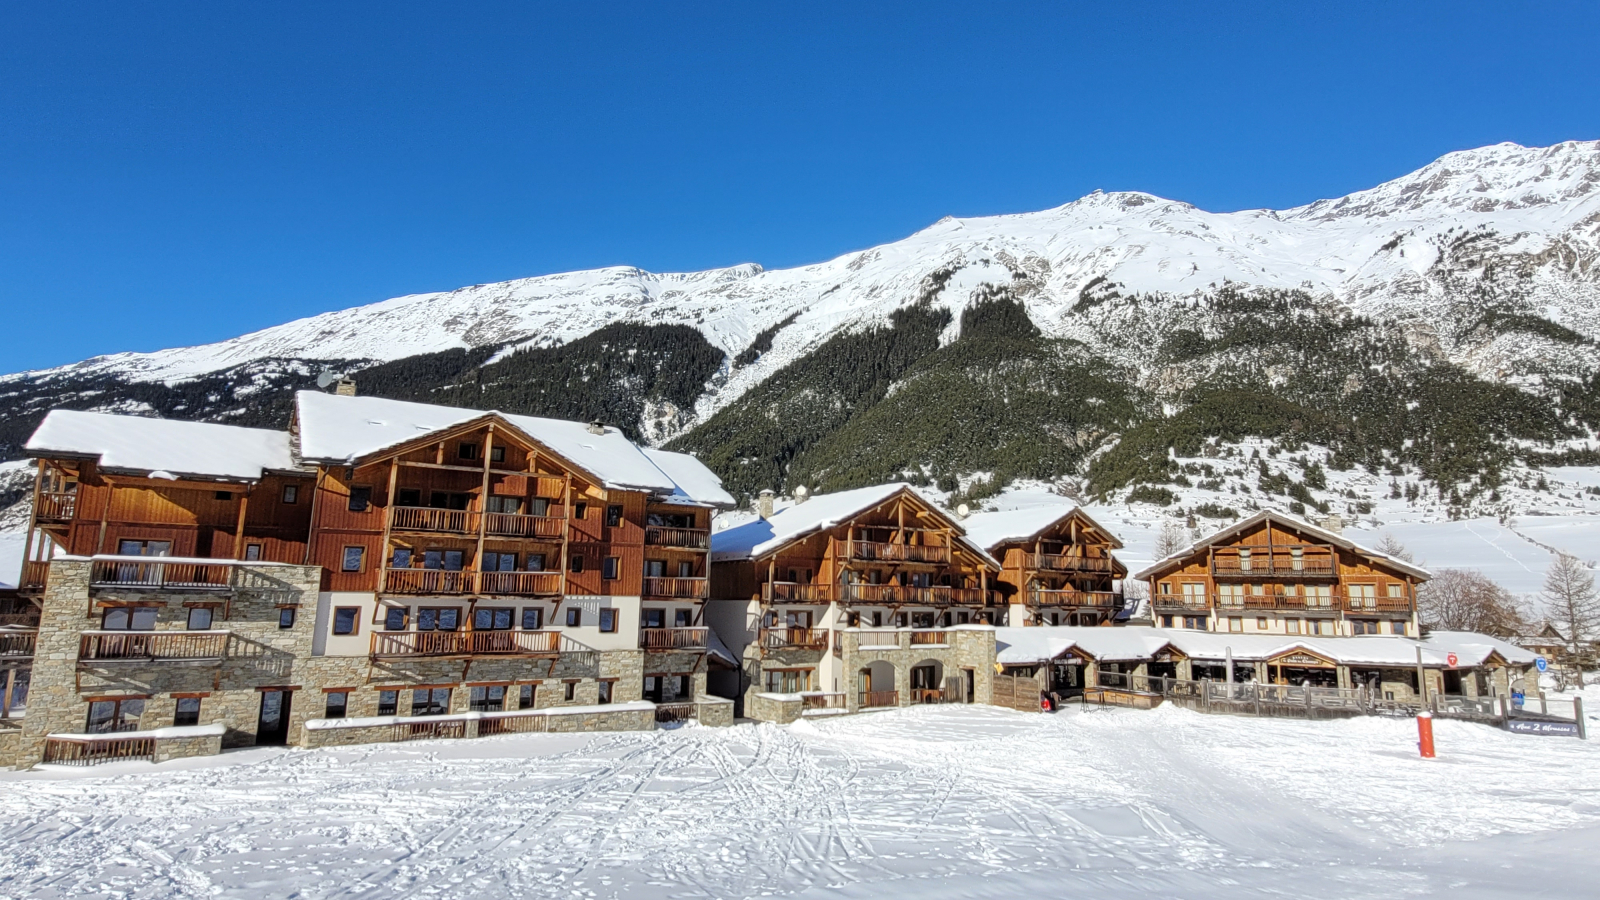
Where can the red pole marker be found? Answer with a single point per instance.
(1425, 734)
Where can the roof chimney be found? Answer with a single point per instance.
(346, 387)
(597, 427)
(764, 504)
(1333, 524)
(801, 494)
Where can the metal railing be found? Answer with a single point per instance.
(794, 592)
(1095, 599)
(1052, 562)
(465, 643)
(87, 751)
(677, 588)
(673, 638)
(523, 525)
(688, 538)
(785, 637)
(154, 572)
(520, 584)
(872, 699)
(429, 519)
(55, 506)
(888, 552)
(152, 645)
(17, 643)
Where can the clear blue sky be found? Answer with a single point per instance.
(172, 174)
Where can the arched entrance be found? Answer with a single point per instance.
(927, 682)
(875, 686)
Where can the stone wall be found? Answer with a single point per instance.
(778, 708)
(624, 717)
(184, 747)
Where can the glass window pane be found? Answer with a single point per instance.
(395, 619)
(116, 619)
(448, 619)
(144, 618)
(427, 619)
(532, 618)
(199, 619)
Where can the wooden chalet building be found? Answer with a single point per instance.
(378, 559)
(1275, 574)
(1057, 566)
(858, 599)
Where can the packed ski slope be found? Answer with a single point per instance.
(930, 803)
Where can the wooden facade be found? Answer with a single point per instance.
(1277, 575)
(1064, 574)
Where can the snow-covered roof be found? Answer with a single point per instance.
(760, 537)
(163, 446)
(1028, 646)
(691, 476)
(717, 647)
(339, 429)
(1288, 521)
(1025, 646)
(1473, 648)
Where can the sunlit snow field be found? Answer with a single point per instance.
(932, 802)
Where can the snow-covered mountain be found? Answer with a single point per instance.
(1375, 252)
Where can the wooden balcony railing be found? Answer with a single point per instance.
(792, 592)
(156, 572)
(15, 644)
(886, 552)
(1278, 563)
(429, 581)
(794, 638)
(872, 699)
(524, 526)
(668, 713)
(421, 729)
(672, 638)
(1087, 599)
(927, 695)
(902, 595)
(520, 584)
(1063, 563)
(1181, 601)
(1378, 604)
(20, 620)
(687, 538)
(144, 646)
(391, 644)
(34, 575)
(677, 588)
(1309, 603)
(929, 638)
(56, 506)
(89, 751)
(428, 519)
(822, 701)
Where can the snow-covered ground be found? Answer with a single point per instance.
(937, 802)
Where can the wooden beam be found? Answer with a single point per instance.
(27, 546)
(105, 516)
(388, 525)
(316, 496)
(566, 536)
(483, 499)
(238, 528)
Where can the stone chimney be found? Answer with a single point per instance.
(1333, 524)
(801, 494)
(597, 427)
(346, 387)
(764, 504)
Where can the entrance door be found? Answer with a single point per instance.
(971, 685)
(272, 728)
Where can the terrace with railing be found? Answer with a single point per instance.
(677, 538)
(1085, 599)
(677, 588)
(56, 506)
(160, 573)
(1051, 562)
(447, 582)
(911, 595)
(430, 520)
(660, 639)
(151, 646)
(394, 644)
(89, 751)
(877, 699)
(1302, 561)
(17, 644)
(794, 638)
(793, 592)
(879, 551)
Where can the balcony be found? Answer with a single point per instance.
(401, 644)
(520, 584)
(86, 750)
(35, 575)
(1278, 563)
(17, 644)
(793, 592)
(1377, 604)
(929, 639)
(428, 520)
(679, 538)
(160, 573)
(55, 506)
(911, 595)
(1189, 602)
(1081, 599)
(432, 582)
(1050, 562)
(794, 638)
(885, 552)
(818, 700)
(666, 639)
(524, 526)
(1309, 604)
(677, 588)
(151, 646)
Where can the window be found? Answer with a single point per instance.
(1397, 627)
(683, 618)
(395, 618)
(1166, 587)
(1261, 623)
(1363, 626)
(498, 454)
(1317, 626)
(877, 618)
(252, 552)
(353, 558)
(653, 618)
(1363, 596)
(608, 620)
(408, 497)
(613, 516)
(291, 493)
(657, 568)
(224, 495)
(686, 570)
(448, 560)
(1166, 621)
(605, 691)
(508, 505)
(541, 506)
(1244, 560)
(575, 563)
(337, 703)
(488, 698)
(285, 618)
(109, 716)
(442, 618)
(200, 618)
(1318, 595)
(492, 619)
(360, 498)
(1235, 624)
(466, 451)
(525, 697)
(574, 617)
(129, 618)
(580, 510)
(608, 568)
(532, 618)
(499, 562)
(448, 500)
(1198, 623)
(922, 620)
(344, 619)
(144, 548)
(401, 559)
(430, 701)
(1227, 594)
(572, 690)
(788, 681)
(187, 712)
(534, 562)
(1292, 626)
(388, 703)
